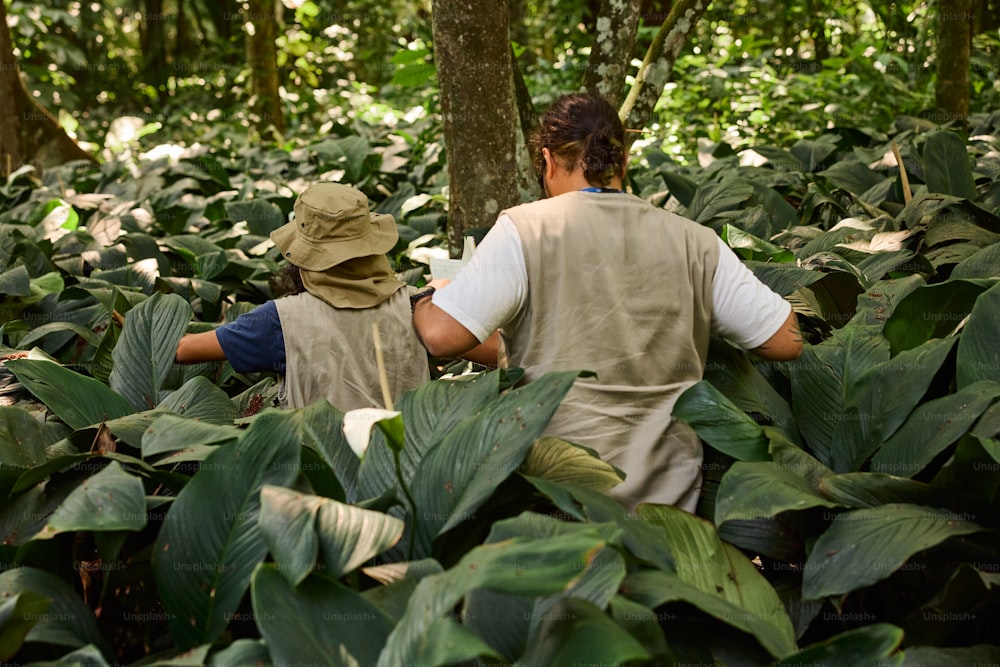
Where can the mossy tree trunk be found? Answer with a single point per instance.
(953, 49)
(481, 124)
(28, 133)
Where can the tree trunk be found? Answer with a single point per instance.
(262, 59)
(659, 62)
(28, 133)
(954, 44)
(153, 31)
(475, 74)
(611, 52)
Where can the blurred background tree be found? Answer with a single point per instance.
(200, 71)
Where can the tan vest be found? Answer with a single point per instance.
(624, 289)
(330, 352)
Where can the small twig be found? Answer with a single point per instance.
(118, 318)
(907, 193)
(383, 377)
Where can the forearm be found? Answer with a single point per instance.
(486, 353)
(785, 344)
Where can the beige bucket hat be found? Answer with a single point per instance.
(333, 225)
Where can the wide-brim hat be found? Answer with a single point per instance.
(333, 225)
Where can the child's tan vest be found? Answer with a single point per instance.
(330, 352)
(624, 289)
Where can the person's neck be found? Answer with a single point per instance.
(577, 181)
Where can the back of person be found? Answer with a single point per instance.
(624, 289)
(596, 279)
(330, 352)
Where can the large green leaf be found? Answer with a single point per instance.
(715, 568)
(575, 632)
(241, 653)
(562, 461)
(783, 278)
(298, 527)
(519, 567)
(822, 380)
(946, 165)
(760, 490)
(170, 433)
(145, 352)
(721, 424)
(979, 347)
(730, 371)
(110, 500)
(430, 412)
(78, 400)
(18, 614)
(931, 311)
(320, 427)
(67, 622)
(932, 427)
(262, 217)
(505, 621)
(22, 439)
(869, 645)
(210, 541)
(882, 399)
(869, 489)
(865, 546)
(983, 264)
(318, 623)
(653, 588)
(198, 398)
(458, 475)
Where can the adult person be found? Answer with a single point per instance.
(320, 336)
(594, 278)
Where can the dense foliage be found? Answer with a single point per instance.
(156, 514)
(154, 510)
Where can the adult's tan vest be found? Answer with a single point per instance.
(624, 289)
(330, 351)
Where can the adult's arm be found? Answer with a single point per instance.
(750, 314)
(199, 347)
(785, 344)
(462, 318)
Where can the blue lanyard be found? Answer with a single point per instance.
(604, 190)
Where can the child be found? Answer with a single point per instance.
(320, 337)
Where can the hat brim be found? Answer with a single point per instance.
(313, 256)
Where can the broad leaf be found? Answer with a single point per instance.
(931, 311)
(210, 542)
(198, 398)
(18, 614)
(932, 427)
(170, 433)
(108, 501)
(145, 352)
(430, 412)
(721, 424)
(536, 567)
(761, 490)
(298, 528)
(946, 165)
(575, 632)
(869, 645)
(22, 439)
(458, 475)
(78, 400)
(318, 623)
(561, 461)
(67, 622)
(704, 561)
(865, 546)
(979, 347)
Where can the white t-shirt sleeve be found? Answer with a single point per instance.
(493, 287)
(744, 309)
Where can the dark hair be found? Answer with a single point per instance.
(582, 128)
(287, 281)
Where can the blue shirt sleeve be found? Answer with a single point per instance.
(254, 342)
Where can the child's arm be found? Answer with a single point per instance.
(195, 348)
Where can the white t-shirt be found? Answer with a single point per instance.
(493, 288)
